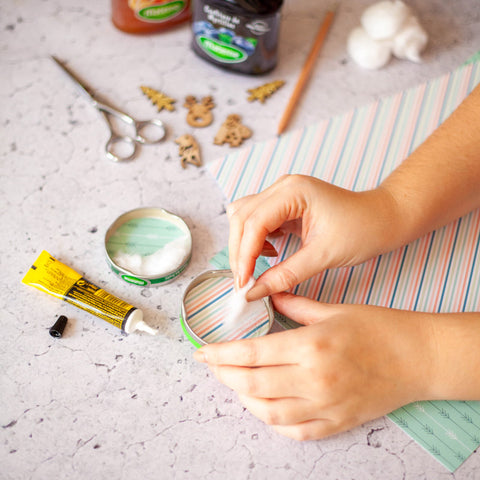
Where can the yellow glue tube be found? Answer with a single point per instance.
(57, 279)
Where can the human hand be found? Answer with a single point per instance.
(337, 227)
(352, 363)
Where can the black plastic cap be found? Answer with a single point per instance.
(59, 327)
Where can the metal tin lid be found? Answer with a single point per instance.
(148, 246)
(205, 311)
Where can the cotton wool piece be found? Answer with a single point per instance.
(387, 28)
(162, 261)
(238, 306)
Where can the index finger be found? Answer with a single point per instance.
(273, 349)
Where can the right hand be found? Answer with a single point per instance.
(338, 228)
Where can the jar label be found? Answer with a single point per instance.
(221, 51)
(230, 36)
(157, 12)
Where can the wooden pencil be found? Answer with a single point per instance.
(306, 70)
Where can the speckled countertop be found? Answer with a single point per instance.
(99, 404)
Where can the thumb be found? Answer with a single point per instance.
(285, 275)
(301, 309)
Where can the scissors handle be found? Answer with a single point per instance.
(149, 131)
(124, 147)
(120, 148)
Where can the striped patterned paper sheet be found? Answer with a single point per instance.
(439, 272)
(208, 309)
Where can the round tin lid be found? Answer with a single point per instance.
(206, 311)
(148, 246)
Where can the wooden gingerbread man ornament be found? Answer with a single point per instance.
(232, 131)
(199, 114)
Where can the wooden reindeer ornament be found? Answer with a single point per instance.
(199, 114)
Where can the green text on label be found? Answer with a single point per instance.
(221, 51)
(160, 13)
(135, 280)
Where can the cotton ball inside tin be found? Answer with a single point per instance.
(383, 20)
(239, 309)
(410, 41)
(162, 261)
(131, 262)
(366, 51)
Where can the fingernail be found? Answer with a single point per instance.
(276, 233)
(200, 356)
(257, 292)
(268, 250)
(239, 282)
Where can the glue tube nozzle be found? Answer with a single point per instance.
(143, 327)
(135, 322)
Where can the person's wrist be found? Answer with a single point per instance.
(425, 365)
(453, 346)
(388, 225)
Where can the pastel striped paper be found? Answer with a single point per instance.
(437, 273)
(208, 310)
(143, 236)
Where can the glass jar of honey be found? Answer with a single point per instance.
(149, 16)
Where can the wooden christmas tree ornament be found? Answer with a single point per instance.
(159, 99)
(264, 91)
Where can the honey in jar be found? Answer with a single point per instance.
(149, 16)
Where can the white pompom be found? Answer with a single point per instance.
(367, 52)
(410, 41)
(384, 19)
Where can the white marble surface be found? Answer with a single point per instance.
(96, 403)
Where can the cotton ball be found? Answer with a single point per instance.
(366, 51)
(384, 19)
(130, 262)
(238, 303)
(410, 41)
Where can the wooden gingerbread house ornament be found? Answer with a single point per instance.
(232, 132)
(199, 114)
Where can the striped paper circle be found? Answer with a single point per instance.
(207, 307)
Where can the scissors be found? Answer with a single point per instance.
(120, 148)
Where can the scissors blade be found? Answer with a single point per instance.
(84, 90)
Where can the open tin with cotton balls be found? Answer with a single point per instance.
(212, 311)
(148, 246)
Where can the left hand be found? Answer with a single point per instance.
(352, 363)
